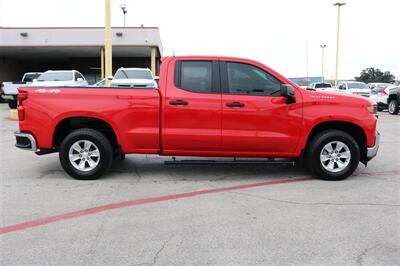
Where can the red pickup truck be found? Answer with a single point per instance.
(205, 106)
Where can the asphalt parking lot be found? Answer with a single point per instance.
(146, 213)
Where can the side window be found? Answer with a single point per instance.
(78, 75)
(250, 80)
(194, 76)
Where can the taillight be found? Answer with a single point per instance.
(22, 96)
(384, 92)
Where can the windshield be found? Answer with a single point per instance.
(31, 77)
(133, 74)
(356, 85)
(55, 76)
(323, 85)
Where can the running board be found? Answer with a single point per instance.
(230, 162)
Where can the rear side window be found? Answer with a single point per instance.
(322, 85)
(194, 76)
(78, 75)
(30, 77)
(247, 79)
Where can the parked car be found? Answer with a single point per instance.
(394, 100)
(354, 87)
(378, 85)
(205, 106)
(2, 93)
(133, 77)
(380, 95)
(10, 89)
(321, 86)
(100, 83)
(56, 78)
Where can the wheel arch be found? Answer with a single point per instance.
(352, 129)
(68, 124)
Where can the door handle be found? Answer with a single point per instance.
(124, 97)
(178, 102)
(235, 104)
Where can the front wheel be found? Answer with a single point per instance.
(85, 154)
(393, 107)
(333, 155)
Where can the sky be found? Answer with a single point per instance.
(283, 34)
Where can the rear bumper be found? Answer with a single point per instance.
(372, 151)
(8, 97)
(25, 141)
(380, 100)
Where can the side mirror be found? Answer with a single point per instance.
(79, 79)
(341, 87)
(156, 78)
(287, 91)
(110, 77)
(34, 80)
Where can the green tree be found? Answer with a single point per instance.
(372, 74)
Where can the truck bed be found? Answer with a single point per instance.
(133, 114)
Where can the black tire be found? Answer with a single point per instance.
(318, 143)
(12, 104)
(103, 145)
(393, 107)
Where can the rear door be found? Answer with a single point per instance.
(192, 108)
(256, 120)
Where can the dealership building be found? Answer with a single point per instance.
(40, 49)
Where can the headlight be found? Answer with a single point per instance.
(373, 109)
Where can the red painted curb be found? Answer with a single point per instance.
(129, 203)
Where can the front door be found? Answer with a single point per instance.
(256, 120)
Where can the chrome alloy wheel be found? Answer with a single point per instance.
(335, 156)
(84, 155)
(392, 107)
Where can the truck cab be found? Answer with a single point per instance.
(10, 89)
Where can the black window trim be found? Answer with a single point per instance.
(215, 75)
(225, 83)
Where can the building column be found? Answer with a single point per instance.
(102, 62)
(153, 61)
(107, 43)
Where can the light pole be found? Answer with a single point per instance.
(322, 68)
(337, 40)
(123, 7)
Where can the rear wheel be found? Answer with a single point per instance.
(333, 155)
(85, 154)
(393, 107)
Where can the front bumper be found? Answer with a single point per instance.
(25, 141)
(372, 151)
